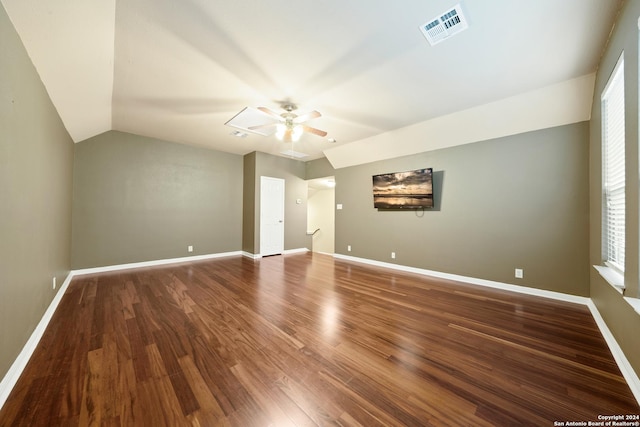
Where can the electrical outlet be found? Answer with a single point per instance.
(189, 248)
(54, 282)
(519, 273)
(348, 248)
(393, 255)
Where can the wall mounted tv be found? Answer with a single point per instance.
(403, 190)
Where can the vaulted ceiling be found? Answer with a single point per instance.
(179, 70)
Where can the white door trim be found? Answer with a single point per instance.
(271, 215)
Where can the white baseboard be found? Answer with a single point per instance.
(13, 374)
(623, 363)
(286, 252)
(295, 251)
(153, 263)
(250, 255)
(471, 280)
(625, 367)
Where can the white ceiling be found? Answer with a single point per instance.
(178, 70)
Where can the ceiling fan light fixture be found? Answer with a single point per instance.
(289, 126)
(296, 133)
(281, 130)
(289, 132)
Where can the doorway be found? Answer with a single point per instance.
(321, 214)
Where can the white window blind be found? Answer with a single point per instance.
(614, 172)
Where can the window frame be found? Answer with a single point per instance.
(613, 170)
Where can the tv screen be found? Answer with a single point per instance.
(403, 190)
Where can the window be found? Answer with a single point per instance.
(613, 185)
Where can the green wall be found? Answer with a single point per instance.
(36, 164)
(620, 317)
(513, 202)
(142, 199)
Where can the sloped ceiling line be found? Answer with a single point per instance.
(178, 71)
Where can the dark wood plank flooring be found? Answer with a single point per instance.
(307, 340)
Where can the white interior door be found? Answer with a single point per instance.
(271, 216)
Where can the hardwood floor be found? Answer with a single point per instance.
(306, 340)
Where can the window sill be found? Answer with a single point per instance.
(614, 278)
(634, 302)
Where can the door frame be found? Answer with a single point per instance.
(271, 216)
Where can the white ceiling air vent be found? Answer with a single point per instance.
(444, 25)
(294, 154)
(250, 117)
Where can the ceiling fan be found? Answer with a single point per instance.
(290, 126)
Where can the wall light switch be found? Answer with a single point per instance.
(339, 206)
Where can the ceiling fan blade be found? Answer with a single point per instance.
(288, 136)
(266, 125)
(314, 131)
(270, 113)
(308, 116)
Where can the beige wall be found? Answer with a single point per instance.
(249, 205)
(318, 168)
(621, 319)
(514, 202)
(520, 201)
(321, 217)
(36, 164)
(142, 199)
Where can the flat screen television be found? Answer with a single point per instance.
(403, 190)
